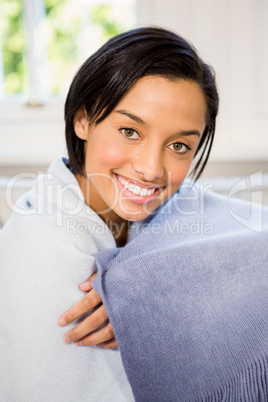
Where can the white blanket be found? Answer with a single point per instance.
(46, 250)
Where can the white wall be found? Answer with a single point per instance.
(232, 35)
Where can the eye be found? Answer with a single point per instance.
(179, 147)
(130, 133)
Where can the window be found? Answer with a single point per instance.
(42, 43)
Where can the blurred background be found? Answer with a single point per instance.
(43, 42)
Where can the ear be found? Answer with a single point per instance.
(81, 124)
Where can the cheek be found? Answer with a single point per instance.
(106, 154)
(178, 173)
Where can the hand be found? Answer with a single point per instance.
(82, 334)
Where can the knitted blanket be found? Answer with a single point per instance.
(188, 299)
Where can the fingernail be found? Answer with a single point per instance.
(62, 322)
(85, 286)
(79, 343)
(66, 339)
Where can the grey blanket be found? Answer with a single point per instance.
(188, 299)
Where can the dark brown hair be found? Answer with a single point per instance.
(107, 75)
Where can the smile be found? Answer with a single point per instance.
(135, 189)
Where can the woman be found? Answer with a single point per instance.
(137, 113)
(155, 59)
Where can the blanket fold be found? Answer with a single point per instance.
(188, 300)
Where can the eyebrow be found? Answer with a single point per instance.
(132, 116)
(184, 133)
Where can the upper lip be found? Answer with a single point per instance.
(137, 183)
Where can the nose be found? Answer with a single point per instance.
(148, 163)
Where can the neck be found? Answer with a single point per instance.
(119, 230)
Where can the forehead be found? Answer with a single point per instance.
(155, 98)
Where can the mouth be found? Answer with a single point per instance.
(138, 193)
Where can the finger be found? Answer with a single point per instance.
(91, 279)
(111, 344)
(89, 324)
(103, 335)
(87, 303)
(87, 286)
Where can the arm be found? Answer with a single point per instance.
(83, 334)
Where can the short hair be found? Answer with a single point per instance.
(106, 76)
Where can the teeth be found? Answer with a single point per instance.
(143, 192)
(136, 189)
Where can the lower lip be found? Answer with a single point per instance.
(135, 198)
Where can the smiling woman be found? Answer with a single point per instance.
(131, 135)
(139, 155)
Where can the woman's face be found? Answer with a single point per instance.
(140, 154)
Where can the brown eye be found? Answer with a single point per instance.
(177, 146)
(130, 133)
